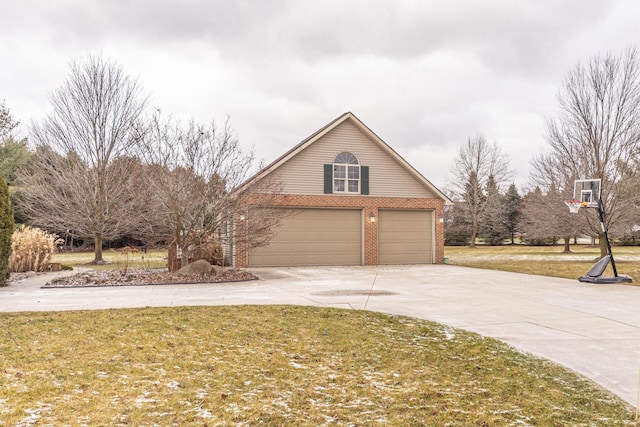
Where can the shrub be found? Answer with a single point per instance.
(6, 230)
(31, 249)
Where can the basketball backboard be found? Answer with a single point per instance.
(587, 191)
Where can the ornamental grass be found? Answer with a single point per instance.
(31, 249)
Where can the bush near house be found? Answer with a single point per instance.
(6, 229)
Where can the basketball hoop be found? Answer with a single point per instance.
(574, 205)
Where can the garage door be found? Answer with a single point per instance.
(313, 237)
(405, 237)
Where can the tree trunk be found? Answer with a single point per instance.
(567, 248)
(184, 259)
(474, 230)
(97, 257)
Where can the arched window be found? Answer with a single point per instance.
(346, 173)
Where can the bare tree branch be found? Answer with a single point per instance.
(191, 173)
(478, 161)
(79, 179)
(596, 135)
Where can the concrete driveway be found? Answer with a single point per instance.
(592, 329)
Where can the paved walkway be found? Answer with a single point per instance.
(592, 329)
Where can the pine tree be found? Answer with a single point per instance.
(513, 202)
(457, 225)
(493, 221)
(6, 231)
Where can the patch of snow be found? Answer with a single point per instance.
(232, 407)
(33, 415)
(174, 385)
(144, 399)
(204, 413)
(296, 365)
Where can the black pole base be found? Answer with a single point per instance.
(595, 274)
(606, 279)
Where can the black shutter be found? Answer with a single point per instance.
(328, 179)
(364, 179)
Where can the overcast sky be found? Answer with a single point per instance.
(424, 75)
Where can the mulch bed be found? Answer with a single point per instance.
(97, 278)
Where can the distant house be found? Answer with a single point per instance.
(350, 199)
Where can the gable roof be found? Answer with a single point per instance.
(328, 128)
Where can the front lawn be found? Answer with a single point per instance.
(115, 259)
(544, 260)
(278, 366)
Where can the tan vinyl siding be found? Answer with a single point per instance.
(303, 174)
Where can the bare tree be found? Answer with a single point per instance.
(545, 217)
(478, 161)
(192, 172)
(78, 179)
(597, 135)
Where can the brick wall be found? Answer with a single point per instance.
(368, 203)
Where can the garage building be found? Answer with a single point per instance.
(346, 198)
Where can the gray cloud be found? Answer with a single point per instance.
(424, 75)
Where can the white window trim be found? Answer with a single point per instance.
(346, 178)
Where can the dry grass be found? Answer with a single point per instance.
(278, 366)
(115, 258)
(31, 249)
(544, 260)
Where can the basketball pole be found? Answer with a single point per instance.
(638, 396)
(606, 236)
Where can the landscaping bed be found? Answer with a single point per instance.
(143, 277)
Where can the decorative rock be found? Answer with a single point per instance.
(197, 267)
(53, 266)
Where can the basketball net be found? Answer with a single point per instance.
(575, 205)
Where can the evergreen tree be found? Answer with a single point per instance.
(457, 228)
(493, 221)
(13, 155)
(6, 231)
(512, 201)
(534, 222)
(7, 123)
